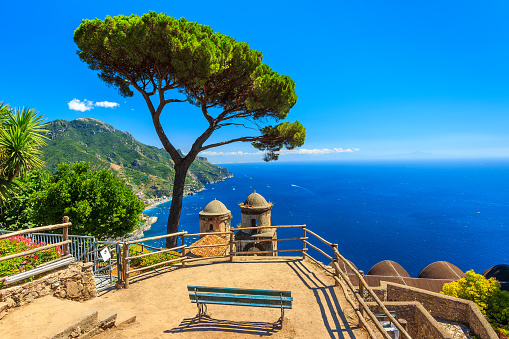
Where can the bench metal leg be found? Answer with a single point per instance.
(282, 310)
(202, 310)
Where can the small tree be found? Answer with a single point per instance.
(161, 56)
(21, 137)
(97, 202)
(486, 294)
(17, 213)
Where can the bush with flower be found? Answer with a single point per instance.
(20, 244)
(150, 260)
(486, 294)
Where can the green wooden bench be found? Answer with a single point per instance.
(202, 295)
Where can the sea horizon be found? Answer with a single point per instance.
(413, 212)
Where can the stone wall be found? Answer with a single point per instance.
(420, 324)
(262, 219)
(75, 282)
(443, 307)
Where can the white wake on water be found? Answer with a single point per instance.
(303, 188)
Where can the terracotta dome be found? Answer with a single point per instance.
(388, 268)
(441, 270)
(501, 273)
(256, 200)
(215, 207)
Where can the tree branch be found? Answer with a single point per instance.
(234, 124)
(151, 79)
(168, 146)
(243, 139)
(173, 100)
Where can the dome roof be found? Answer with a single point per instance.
(441, 270)
(501, 273)
(215, 207)
(255, 200)
(389, 268)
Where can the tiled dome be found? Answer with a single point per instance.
(501, 273)
(215, 207)
(256, 200)
(389, 268)
(441, 270)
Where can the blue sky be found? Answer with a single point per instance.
(374, 78)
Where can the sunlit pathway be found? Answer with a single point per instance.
(160, 301)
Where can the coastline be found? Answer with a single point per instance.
(137, 234)
(186, 193)
(155, 204)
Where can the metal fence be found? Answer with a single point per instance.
(86, 249)
(83, 248)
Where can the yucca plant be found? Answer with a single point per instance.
(21, 136)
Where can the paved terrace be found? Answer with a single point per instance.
(160, 301)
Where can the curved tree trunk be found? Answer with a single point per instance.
(176, 203)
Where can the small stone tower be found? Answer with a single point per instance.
(215, 217)
(255, 212)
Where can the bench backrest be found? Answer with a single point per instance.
(240, 296)
(244, 291)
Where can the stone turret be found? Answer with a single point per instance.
(215, 217)
(255, 212)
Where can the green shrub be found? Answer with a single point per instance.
(150, 260)
(20, 244)
(486, 294)
(97, 202)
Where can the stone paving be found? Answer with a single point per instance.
(457, 330)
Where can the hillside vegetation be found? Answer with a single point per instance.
(146, 169)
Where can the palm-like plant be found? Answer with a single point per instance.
(21, 136)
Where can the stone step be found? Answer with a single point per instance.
(105, 307)
(49, 317)
(46, 317)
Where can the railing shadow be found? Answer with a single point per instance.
(219, 325)
(323, 291)
(144, 275)
(152, 273)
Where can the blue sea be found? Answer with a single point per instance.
(411, 212)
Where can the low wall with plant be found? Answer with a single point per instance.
(443, 307)
(75, 282)
(420, 324)
(19, 244)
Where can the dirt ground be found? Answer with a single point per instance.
(161, 303)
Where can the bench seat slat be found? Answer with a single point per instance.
(244, 304)
(237, 296)
(239, 291)
(247, 299)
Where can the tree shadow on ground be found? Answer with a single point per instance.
(208, 324)
(340, 328)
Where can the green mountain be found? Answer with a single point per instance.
(146, 169)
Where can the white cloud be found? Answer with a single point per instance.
(294, 151)
(77, 105)
(87, 105)
(106, 104)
